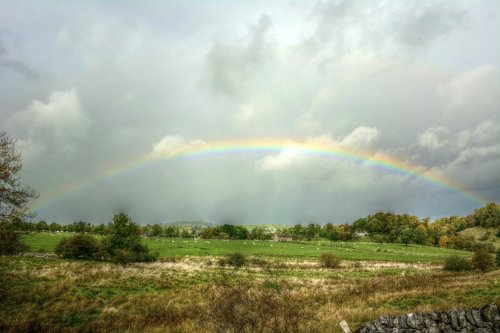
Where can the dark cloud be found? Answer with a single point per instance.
(17, 66)
(124, 82)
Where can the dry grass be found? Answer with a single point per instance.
(193, 295)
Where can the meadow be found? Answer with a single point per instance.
(178, 247)
(281, 289)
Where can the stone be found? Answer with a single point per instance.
(444, 317)
(470, 318)
(454, 320)
(402, 322)
(429, 323)
(411, 320)
(461, 318)
(476, 314)
(489, 312)
(483, 330)
(371, 327)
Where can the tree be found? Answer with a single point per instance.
(13, 196)
(10, 241)
(124, 241)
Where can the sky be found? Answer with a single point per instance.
(93, 90)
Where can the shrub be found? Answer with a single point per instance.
(483, 260)
(457, 263)
(253, 307)
(497, 259)
(10, 242)
(81, 246)
(237, 260)
(329, 260)
(123, 244)
(123, 256)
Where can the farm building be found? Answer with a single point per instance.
(282, 238)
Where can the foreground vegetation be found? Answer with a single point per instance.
(196, 294)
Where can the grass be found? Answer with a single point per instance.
(177, 247)
(193, 294)
(282, 287)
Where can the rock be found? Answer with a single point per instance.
(429, 323)
(490, 312)
(444, 318)
(470, 318)
(412, 322)
(402, 322)
(454, 320)
(483, 330)
(461, 318)
(476, 314)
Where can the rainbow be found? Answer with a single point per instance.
(261, 146)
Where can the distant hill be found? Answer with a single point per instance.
(483, 235)
(188, 224)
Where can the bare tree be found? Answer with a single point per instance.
(13, 196)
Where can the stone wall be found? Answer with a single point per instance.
(477, 320)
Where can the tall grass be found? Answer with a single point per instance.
(190, 296)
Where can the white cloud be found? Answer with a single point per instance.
(361, 138)
(433, 138)
(171, 145)
(294, 154)
(60, 123)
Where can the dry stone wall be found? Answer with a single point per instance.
(476, 320)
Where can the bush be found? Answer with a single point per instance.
(10, 242)
(483, 260)
(81, 246)
(246, 306)
(123, 244)
(497, 259)
(329, 260)
(237, 260)
(456, 263)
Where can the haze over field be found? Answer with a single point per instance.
(86, 86)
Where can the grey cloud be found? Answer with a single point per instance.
(423, 24)
(17, 66)
(164, 78)
(230, 65)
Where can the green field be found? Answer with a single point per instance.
(282, 288)
(178, 247)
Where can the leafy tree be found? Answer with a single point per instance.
(82, 226)
(487, 216)
(124, 241)
(13, 196)
(10, 241)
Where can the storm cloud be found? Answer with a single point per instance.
(89, 87)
